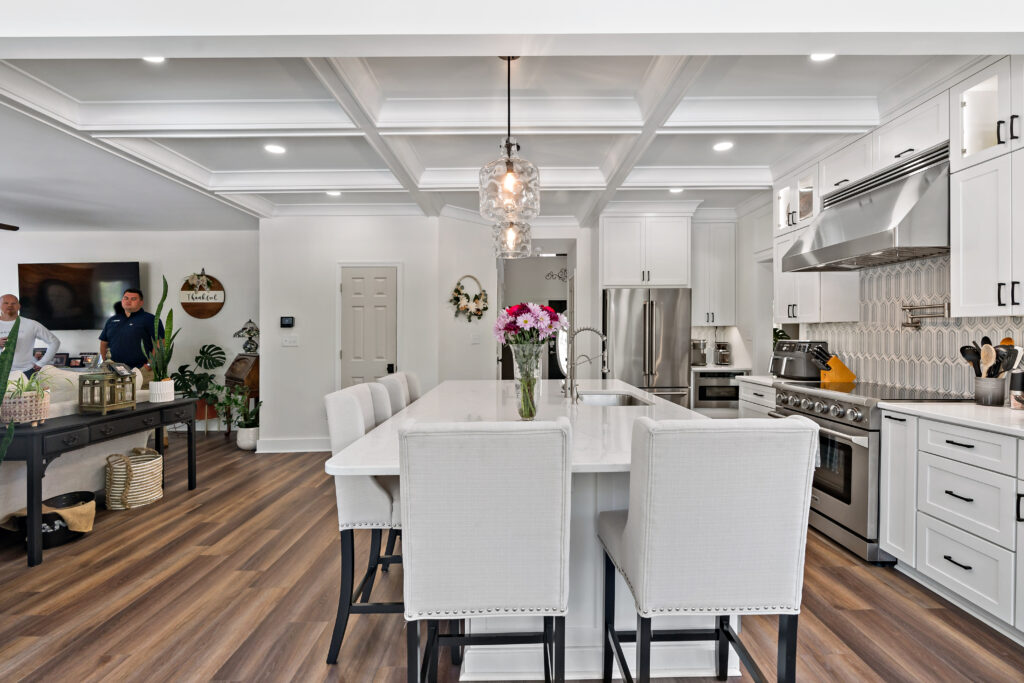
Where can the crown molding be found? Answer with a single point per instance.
(755, 203)
(254, 203)
(367, 180)
(198, 116)
(715, 215)
(806, 114)
(719, 177)
(544, 222)
(280, 210)
(463, 214)
(31, 93)
(163, 157)
(552, 178)
(531, 113)
(683, 207)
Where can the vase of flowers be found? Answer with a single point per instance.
(525, 328)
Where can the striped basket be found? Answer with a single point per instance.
(29, 408)
(135, 479)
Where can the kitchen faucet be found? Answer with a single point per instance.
(569, 386)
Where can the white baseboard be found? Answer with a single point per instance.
(294, 445)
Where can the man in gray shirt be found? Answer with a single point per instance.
(28, 333)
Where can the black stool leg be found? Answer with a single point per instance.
(549, 641)
(559, 649)
(393, 535)
(371, 568)
(345, 598)
(412, 651)
(643, 649)
(787, 648)
(609, 617)
(433, 650)
(721, 649)
(455, 628)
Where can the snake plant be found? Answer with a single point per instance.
(6, 360)
(163, 341)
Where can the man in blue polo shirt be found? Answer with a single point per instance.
(125, 333)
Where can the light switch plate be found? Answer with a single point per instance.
(290, 340)
(474, 338)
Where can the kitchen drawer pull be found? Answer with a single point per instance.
(906, 151)
(1013, 127)
(999, 293)
(757, 394)
(1013, 293)
(961, 445)
(1020, 508)
(949, 558)
(957, 495)
(896, 419)
(999, 132)
(840, 182)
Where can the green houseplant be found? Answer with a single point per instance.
(161, 387)
(6, 359)
(193, 382)
(247, 419)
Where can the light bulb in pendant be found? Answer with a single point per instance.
(510, 236)
(510, 181)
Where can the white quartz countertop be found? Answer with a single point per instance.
(601, 435)
(763, 380)
(968, 413)
(719, 368)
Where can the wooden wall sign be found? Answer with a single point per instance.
(202, 295)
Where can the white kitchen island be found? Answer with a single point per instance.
(601, 440)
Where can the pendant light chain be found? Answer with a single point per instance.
(508, 101)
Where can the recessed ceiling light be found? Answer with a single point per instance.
(822, 56)
(333, 193)
(153, 60)
(274, 149)
(722, 146)
(676, 190)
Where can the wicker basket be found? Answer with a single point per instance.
(135, 479)
(29, 408)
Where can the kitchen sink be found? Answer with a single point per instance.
(611, 398)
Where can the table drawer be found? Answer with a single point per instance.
(996, 452)
(125, 425)
(976, 570)
(763, 396)
(178, 413)
(66, 441)
(969, 498)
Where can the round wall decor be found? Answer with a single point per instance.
(202, 295)
(472, 307)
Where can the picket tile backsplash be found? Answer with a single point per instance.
(878, 349)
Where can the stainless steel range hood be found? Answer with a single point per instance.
(898, 214)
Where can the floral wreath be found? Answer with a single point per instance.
(199, 281)
(471, 307)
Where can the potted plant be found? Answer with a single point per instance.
(26, 400)
(6, 360)
(161, 387)
(248, 423)
(193, 383)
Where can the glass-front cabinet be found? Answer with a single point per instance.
(982, 122)
(796, 200)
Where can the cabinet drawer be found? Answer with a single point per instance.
(66, 441)
(976, 570)
(1020, 461)
(969, 498)
(179, 413)
(125, 425)
(996, 452)
(755, 393)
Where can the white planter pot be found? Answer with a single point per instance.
(247, 438)
(162, 391)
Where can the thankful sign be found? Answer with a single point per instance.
(202, 295)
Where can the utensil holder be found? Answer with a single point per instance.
(990, 391)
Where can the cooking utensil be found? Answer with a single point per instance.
(1009, 358)
(972, 356)
(988, 358)
(986, 340)
(1007, 341)
(997, 367)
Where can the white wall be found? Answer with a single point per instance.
(230, 256)
(753, 287)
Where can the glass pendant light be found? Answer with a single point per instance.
(510, 191)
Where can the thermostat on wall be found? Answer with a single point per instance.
(287, 321)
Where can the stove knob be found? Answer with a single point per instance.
(780, 398)
(820, 407)
(837, 410)
(854, 414)
(806, 404)
(794, 401)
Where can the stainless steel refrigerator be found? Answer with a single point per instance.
(648, 334)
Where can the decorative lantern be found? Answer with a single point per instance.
(111, 387)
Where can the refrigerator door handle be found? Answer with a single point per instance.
(651, 340)
(646, 347)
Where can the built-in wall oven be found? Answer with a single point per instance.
(716, 389)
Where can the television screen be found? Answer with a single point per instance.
(73, 296)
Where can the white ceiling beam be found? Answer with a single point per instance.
(528, 113)
(366, 180)
(332, 74)
(775, 114)
(213, 115)
(19, 87)
(552, 178)
(683, 207)
(718, 177)
(675, 76)
(365, 209)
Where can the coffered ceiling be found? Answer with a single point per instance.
(407, 135)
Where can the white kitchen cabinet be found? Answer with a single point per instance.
(980, 111)
(1019, 618)
(796, 200)
(714, 274)
(1016, 124)
(638, 251)
(986, 262)
(812, 297)
(848, 165)
(922, 127)
(897, 501)
(756, 400)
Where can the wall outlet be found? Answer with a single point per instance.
(290, 340)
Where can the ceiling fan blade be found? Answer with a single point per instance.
(4, 226)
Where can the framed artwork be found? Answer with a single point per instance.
(90, 360)
(39, 352)
(75, 362)
(60, 360)
(121, 369)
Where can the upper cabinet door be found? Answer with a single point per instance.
(980, 237)
(722, 275)
(1017, 266)
(922, 127)
(979, 118)
(622, 251)
(667, 251)
(806, 189)
(848, 165)
(785, 206)
(701, 250)
(1016, 124)
(784, 291)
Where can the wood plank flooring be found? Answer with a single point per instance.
(238, 581)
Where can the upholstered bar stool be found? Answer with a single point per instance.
(716, 525)
(485, 522)
(403, 388)
(364, 502)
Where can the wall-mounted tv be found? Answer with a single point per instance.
(73, 296)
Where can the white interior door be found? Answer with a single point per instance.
(369, 322)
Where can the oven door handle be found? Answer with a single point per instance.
(861, 441)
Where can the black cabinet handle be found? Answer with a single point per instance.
(999, 293)
(961, 445)
(906, 151)
(794, 217)
(707, 318)
(757, 394)
(795, 312)
(1020, 514)
(949, 558)
(999, 132)
(840, 182)
(1013, 127)
(1013, 292)
(957, 495)
(897, 419)
(712, 317)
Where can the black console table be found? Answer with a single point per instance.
(39, 446)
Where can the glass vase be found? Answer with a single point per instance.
(527, 360)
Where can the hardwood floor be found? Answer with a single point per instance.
(238, 580)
